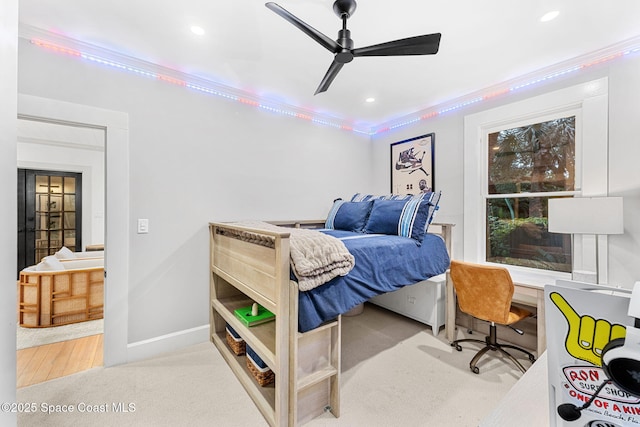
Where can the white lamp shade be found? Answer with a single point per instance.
(586, 215)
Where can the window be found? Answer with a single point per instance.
(550, 145)
(525, 165)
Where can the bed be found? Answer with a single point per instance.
(251, 262)
(376, 273)
(61, 289)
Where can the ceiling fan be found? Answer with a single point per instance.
(343, 49)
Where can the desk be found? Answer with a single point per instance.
(531, 294)
(527, 403)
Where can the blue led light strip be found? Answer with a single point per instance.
(523, 83)
(290, 111)
(246, 100)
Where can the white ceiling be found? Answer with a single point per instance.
(249, 47)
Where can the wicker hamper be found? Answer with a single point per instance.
(260, 371)
(235, 341)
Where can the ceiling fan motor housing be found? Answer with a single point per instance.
(344, 39)
(344, 7)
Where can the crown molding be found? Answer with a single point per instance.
(126, 63)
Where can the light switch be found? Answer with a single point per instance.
(143, 225)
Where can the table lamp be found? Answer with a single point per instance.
(586, 215)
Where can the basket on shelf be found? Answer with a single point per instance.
(235, 341)
(260, 371)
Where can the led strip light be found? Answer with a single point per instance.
(231, 94)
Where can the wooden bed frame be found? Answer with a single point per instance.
(53, 298)
(252, 265)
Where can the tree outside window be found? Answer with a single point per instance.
(526, 166)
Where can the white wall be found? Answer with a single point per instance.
(8, 208)
(193, 159)
(624, 173)
(624, 150)
(196, 158)
(449, 132)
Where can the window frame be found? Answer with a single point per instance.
(589, 103)
(486, 131)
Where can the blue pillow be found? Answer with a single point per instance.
(348, 216)
(406, 218)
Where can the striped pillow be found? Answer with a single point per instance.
(434, 201)
(361, 197)
(407, 218)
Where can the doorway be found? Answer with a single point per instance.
(116, 215)
(49, 214)
(61, 201)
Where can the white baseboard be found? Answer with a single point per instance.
(174, 341)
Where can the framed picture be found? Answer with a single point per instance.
(412, 165)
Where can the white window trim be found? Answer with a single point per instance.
(589, 102)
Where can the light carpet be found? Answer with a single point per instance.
(32, 337)
(394, 372)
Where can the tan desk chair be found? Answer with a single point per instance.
(485, 293)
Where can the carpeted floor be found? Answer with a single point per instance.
(394, 372)
(32, 337)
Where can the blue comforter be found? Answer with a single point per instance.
(383, 264)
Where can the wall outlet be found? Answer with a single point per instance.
(143, 225)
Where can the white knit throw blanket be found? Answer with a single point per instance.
(316, 257)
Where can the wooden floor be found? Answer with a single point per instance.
(44, 363)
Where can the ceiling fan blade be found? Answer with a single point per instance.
(331, 74)
(325, 41)
(419, 45)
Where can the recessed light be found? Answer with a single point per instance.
(370, 99)
(549, 16)
(199, 31)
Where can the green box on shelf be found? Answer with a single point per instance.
(263, 316)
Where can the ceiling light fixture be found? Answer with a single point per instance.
(549, 16)
(370, 100)
(199, 31)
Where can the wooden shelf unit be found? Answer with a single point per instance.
(252, 265)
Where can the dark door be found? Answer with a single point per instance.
(49, 214)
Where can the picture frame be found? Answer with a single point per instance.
(413, 165)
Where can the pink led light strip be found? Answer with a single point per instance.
(317, 119)
(211, 91)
